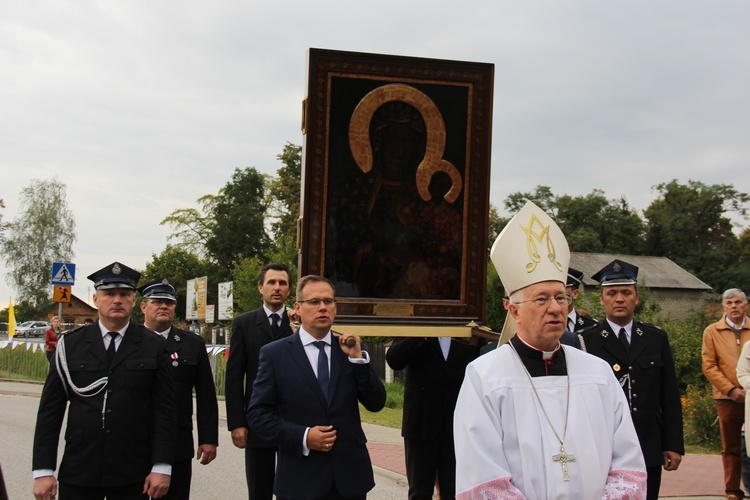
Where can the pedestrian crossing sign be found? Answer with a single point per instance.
(63, 273)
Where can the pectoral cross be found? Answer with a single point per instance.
(563, 457)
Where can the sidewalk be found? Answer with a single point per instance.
(700, 477)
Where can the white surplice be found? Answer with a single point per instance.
(504, 443)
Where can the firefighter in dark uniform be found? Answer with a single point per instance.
(577, 320)
(190, 369)
(114, 379)
(641, 359)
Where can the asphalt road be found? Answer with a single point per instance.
(224, 478)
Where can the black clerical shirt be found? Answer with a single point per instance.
(537, 366)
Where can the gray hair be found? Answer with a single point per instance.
(733, 292)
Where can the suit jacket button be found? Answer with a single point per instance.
(635, 410)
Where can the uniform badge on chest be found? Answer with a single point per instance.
(174, 359)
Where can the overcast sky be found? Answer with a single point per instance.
(141, 107)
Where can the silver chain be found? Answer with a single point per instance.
(567, 404)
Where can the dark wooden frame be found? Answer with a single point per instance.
(462, 95)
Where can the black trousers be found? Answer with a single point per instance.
(653, 482)
(427, 458)
(335, 495)
(127, 492)
(260, 470)
(179, 484)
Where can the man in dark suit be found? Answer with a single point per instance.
(305, 401)
(250, 332)
(434, 370)
(577, 320)
(115, 380)
(641, 358)
(190, 369)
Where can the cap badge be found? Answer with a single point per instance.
(616, 268)
(165, 281)
(531, 244)
(116, 269)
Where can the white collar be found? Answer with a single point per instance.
(308, 339)
(270, 312)
(616, 328)
(105, 331)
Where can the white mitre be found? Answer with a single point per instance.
(530, 249)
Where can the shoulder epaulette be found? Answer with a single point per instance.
(68, 332)
(150, 330)
(589, 328)
(651, 325)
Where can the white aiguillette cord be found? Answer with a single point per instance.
(563, 457)
(61, 362)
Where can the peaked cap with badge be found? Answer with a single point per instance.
(115, 275)
(160, 288)
(617, 272)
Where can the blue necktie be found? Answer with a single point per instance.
(323, 376)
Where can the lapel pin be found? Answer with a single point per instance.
(616, 367)
(177, 338)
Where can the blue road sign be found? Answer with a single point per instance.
(63, 273)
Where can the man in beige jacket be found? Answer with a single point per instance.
(722, 343)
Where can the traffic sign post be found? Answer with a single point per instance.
(63, 273)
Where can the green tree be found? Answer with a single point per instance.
(495, 226)
(239, 215)
(689, 224)
(284, 192)
(591, 223)
(229, 225)
(181, 265)
(495, 309)
(193, 227)
(542, 197)
(24, 311)
(43, 232)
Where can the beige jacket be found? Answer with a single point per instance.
(720, 353)
(743, 375)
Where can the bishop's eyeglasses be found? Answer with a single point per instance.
(563, 300)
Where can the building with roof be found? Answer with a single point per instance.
(74, 312)
(677, 291)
